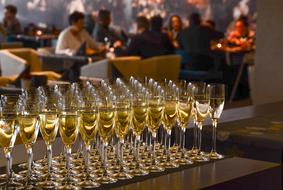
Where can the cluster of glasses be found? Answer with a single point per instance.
(123, 130)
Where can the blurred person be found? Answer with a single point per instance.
(72, 38)
(144, 43)
(10, 22)
(102, 31)
(215, 34)
(175, 26)
(195, 40)
(241, 36)
(156, 25)
(90, 20)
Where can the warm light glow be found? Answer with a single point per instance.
(219, 45)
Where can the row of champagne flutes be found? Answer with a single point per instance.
(124, 130)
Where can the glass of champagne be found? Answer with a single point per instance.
(138, 121)
(217, 98)
(123, 118)
(201, 106)
(106, 123)
(185, 105)
(48, 128)
(155, 119)
(69, 123)
(8, 134)
(170, 120)
(29, 123)
(88, 130)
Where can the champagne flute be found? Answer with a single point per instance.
(49, 127)
(8, 134)
(69, 123)
(123, 118)
(170, 120)
(155, 118)
(185, 106)
(29, 123)
(106, 122)
(139, 121)
(88, 130)
(217, 98)
(202, 101)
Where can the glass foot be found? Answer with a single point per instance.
(215, 156)
(105, 179)
(68, 187)
(184, 161)
(122, 175)
(169, 164)
(138, 171)
(155, 168)
(88, 184)
(48, 185)
(201, 158)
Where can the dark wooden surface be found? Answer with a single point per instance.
(230, 173)
(254, 132)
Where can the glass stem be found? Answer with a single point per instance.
(87, 159)
(137, 148)
(121, 142)
(153, 148)
(49, 158)
(195, 145)
(9, 165)
(68, 163)
(168, 145)
(105, 158)
(30, 158)
(199, 137)
(214, 134)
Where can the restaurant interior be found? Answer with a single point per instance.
(141, 94)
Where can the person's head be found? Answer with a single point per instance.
(210, 24)
(76, 19)
(156, 23)
(194, 19)
(10, 12)
(142, 24)
(241, 26)
(175, 23)
(104, 17)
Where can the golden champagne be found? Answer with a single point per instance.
(106, 124)
(7, 127)
(216, 107)
(184, 113)
(139, 118)
(49, 126)
(28, 128)
(88, 126)
(155, 115)
(170, 114)
(68, 128)
(202, 109)
(122, 122)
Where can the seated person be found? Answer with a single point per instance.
(144, 44)
(242, 36)
(102, 31)
(75, 36)
(156, 24)
(10, 22)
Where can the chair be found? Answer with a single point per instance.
(11, 67)
(33, 60)
(98, 69)
(160, 67)
(125, 67)
(11, 45)
(213, 74)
